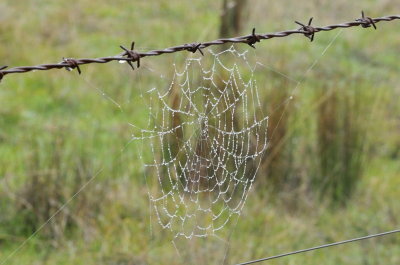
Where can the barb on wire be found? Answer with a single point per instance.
(309, 30)
(366, 21)
(1, 73)
(322, 246)
(133, 56)
(194, 47)
(253, 38)
(71, 64)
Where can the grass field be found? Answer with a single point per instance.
(58, 130)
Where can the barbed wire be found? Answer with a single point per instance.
(131, 56)
(321, 246)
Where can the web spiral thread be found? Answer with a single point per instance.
(205, 139)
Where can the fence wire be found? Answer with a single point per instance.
(131, 56)
(319, 247)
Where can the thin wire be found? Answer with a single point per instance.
(319, 247)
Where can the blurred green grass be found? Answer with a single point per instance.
(59, 114)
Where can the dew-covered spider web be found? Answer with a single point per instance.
(204, 141)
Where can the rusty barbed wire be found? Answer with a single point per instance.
(131, 55)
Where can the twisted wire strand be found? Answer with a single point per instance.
(251, 39)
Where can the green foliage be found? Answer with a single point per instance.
(342, 138)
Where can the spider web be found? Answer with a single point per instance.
(205, 137)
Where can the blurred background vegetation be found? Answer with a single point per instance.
(331, 173)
